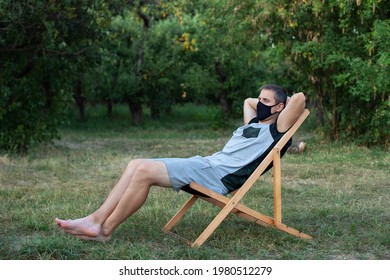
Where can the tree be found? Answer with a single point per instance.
(228, 49)
(41, 46)
(154, 53)
(329, 45)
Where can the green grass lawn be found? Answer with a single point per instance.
(337, 193)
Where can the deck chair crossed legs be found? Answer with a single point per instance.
(232, 204)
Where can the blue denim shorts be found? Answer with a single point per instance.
(183, 171)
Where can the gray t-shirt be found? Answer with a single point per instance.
(243, 153)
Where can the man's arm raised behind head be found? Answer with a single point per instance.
(294, 108)
(250, 109)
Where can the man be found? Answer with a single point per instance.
(266, 119)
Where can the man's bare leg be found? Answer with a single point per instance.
(122, 202)
(91, 224)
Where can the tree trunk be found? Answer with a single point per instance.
(336, 118)
(109, 107)
(136, 112)
(224, 100)
(317, 105)
(48, 94)
(80, 100)
(321, 115)
(135, 106)
(154, 110)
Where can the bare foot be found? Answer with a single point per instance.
(82, 227)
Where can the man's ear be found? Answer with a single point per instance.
(280, 107)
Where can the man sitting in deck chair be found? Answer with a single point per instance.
(266, 119)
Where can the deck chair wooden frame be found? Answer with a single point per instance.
(232, 204)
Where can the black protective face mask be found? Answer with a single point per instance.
(263, 111)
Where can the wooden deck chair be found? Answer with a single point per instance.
(232, 204)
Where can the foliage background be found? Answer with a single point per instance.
(152, 54)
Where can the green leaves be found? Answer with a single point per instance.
(340, 50)
(143, 52)
(40, 46)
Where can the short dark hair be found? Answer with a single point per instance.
(279, 93)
